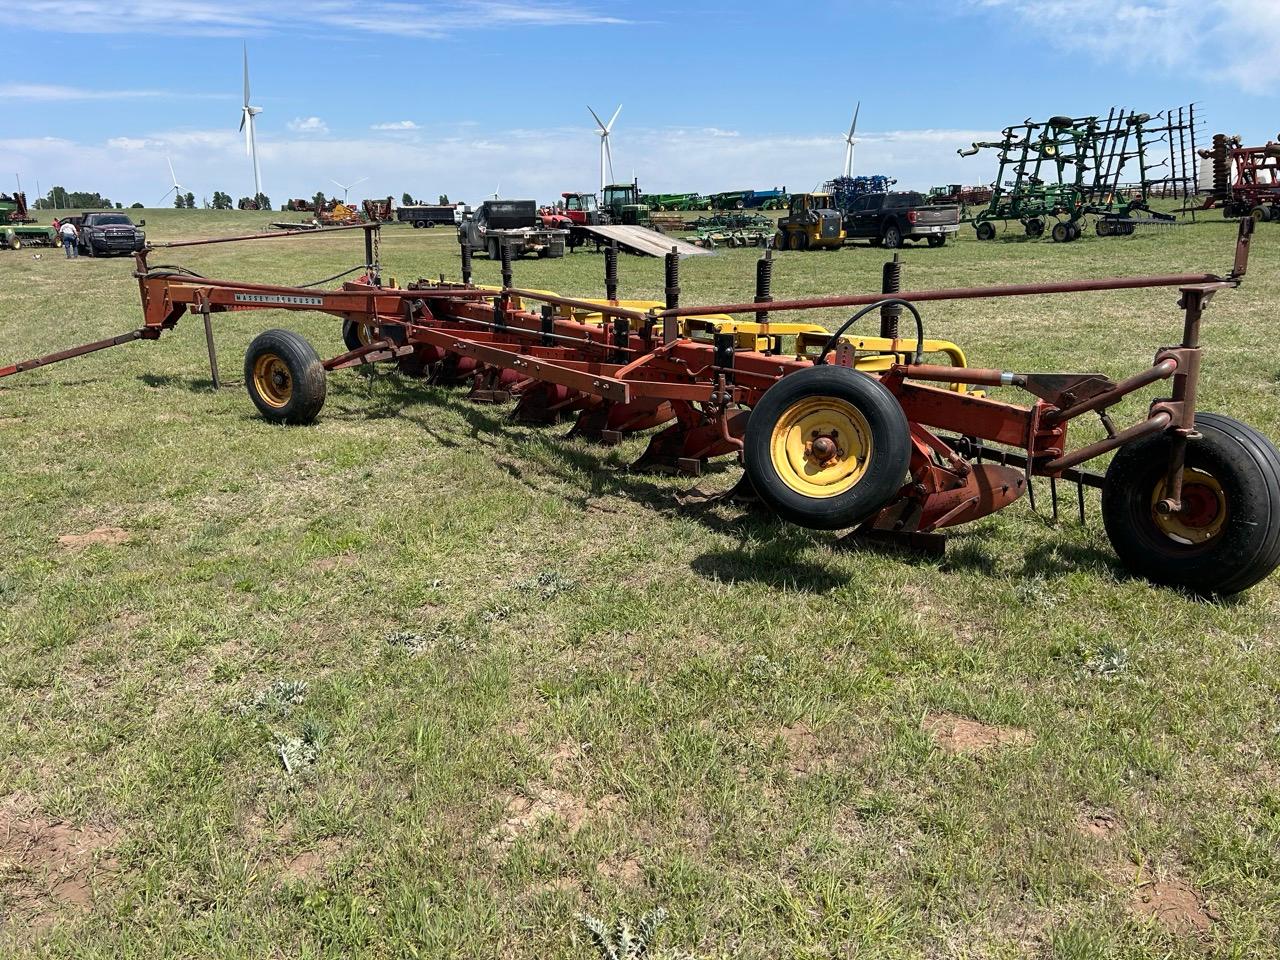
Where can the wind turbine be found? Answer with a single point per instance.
(346, 186)
(605, 153)
(247, 113)
(849, 141)
(176, 189)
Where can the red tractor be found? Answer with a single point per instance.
(1246, 180)
(574, 212)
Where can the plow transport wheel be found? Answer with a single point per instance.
(1226, 537)
(827, 447)
(284, 377)
(356, 335)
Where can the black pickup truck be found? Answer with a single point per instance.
(102, 234)
(892, 219)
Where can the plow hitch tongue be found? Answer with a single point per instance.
(836, 431)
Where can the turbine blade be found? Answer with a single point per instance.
(243, 114)
(854, 126)
(599, 122)
(339, 185)
(246, 74)
(609, 128)
(361, 180)
(609, 158)
(172, 176)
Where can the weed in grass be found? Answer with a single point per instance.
(277, 699)
(299, 754)
(626, 939)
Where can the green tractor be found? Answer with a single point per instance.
(18, 229)
(623, 204)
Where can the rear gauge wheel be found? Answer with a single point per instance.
(356, 335)
(827, 447)
(986, 230)
(1226, 537)
(284, 377)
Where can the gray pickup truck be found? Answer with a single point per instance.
(104, 234)
(512, 222)
(891, 219)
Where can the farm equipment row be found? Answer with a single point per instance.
(18, 228)
(835, 430)
(1246, 180)
(1055, 174)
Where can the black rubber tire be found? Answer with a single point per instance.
(1061, 232)
(305, 371)
(351, 335)
(1034, 227)
(1073, 231)
(89, 249)
(1260, 214)
(890, 448)
(891, 239)
(800, 241)
(1103, 228)
(938, 240)
(986, 230)
(1247, 548)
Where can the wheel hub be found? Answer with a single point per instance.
(1203, 509)
(821, 446)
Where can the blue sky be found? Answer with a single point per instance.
(471, 96)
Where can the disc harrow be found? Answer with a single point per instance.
(890, 436)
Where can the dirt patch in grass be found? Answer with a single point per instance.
(1101, 824)
(627, 872)
(311, 863)
(804, 752)
(48, 867)
(1173, 905)
(956, 734)
(107, 536)
(524, 813)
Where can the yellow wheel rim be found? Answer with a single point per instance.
(272, 380)
(1203, 513)
(821, 446)
(1256, 215)
(364, 333)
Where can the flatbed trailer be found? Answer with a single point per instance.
(835, 431)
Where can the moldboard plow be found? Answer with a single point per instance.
(835, 431)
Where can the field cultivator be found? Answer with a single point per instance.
(1246, 180)
(847, 189)
(1054, 175)
(18, 228)
(891, 436)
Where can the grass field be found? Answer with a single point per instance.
(415, 682)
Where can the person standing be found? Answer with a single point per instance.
(70, 239)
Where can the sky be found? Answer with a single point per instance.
(475, 97)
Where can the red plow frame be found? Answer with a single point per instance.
(897, 455)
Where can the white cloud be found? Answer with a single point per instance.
(48, 92)
(395, 125)
(236, 18)
(1234, 41)
(538, 164)
(308, 125)
(133, 143)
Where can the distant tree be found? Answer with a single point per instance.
(191, 201)
(221, 201)
(444, 199)
(135, 206)
(319, 200)
(120, 206)
(179, 201)
(263, 201)
(406, 200)
(246, 203)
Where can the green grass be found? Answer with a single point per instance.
(536, 686)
